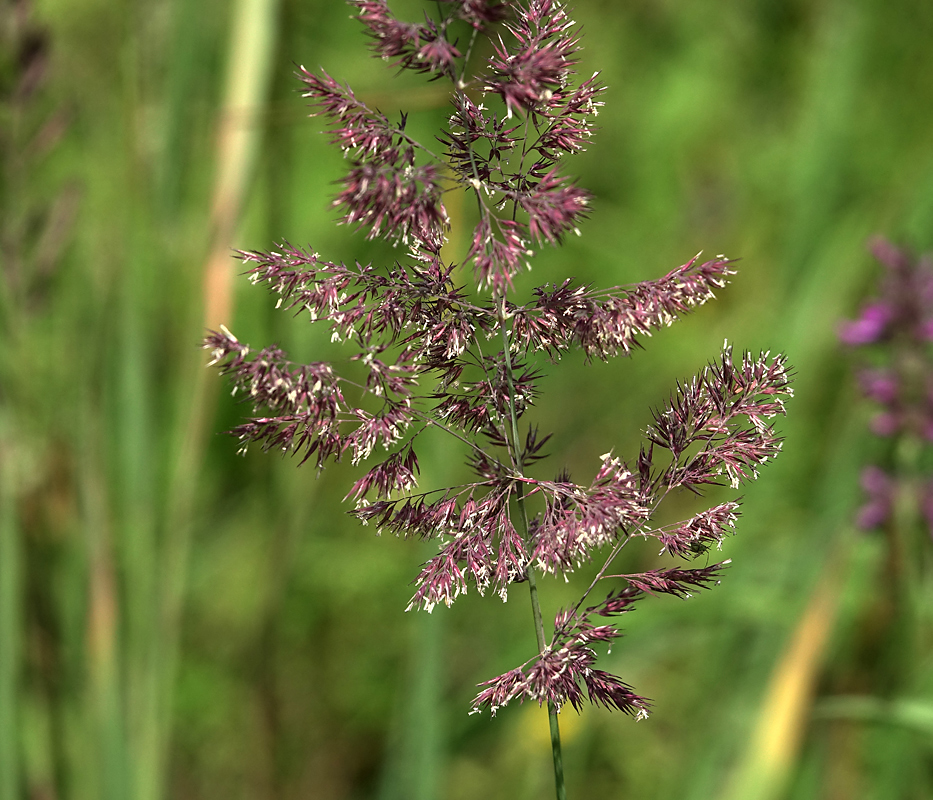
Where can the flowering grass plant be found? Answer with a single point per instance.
(430, 347)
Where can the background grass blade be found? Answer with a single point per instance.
(786, 708)
(11, 627)
(249, 68)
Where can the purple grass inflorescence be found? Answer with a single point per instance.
(431, 350)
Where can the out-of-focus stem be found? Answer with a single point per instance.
(903, 562)
(10, 628)
(904, 557)
(517, 460)
(249, 70)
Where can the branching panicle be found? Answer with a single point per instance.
(418, 47)
(579, 521)
(358, 130)
(712, 411)
(607, 323)
(538, 60)
(418, 335)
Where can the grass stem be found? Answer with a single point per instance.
(529, 571)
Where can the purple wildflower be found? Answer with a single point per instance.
(869, 327)
(905, 308)
(897, 327)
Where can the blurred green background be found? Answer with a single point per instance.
(180, 622)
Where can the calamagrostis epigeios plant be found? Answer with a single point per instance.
(433, 348)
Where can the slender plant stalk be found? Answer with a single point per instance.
(552, 710)
(553, 722)
(102, 636)
(906, 542)
(10, 625)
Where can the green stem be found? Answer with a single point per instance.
(903, 562)
(556, 750)
(11, 628)
(529, 570)
(904, 553)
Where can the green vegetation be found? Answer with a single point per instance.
(180, 622)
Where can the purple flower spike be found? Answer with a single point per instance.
(900, 323)
(901, 320)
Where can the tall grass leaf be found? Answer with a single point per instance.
(249, 67)
(11, 638)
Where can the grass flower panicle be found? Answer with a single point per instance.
(424, 348)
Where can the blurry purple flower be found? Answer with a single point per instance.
(887, 423)
(880, 385)
(891, 256)
(870, 327)
(905, 307)
(481, 13)
(901, 323)
(880, 488)
(926, 330)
